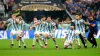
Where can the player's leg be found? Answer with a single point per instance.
(40, 43)
(22, 39)
(18, 38)
(45, 42)
(19, 43)
(21, 34)
(71, 43)
(18, 34)
(84, 39)
(66, 44)
(34, 41)
(77, 39)
(91, 39)
(43, 39)
(54, 39)
(78, 42)
(46, 37)
(94, 39)
(37, 37)
(40, 34)
(12, 33)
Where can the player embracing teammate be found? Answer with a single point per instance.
(44, 30)
(17, 24)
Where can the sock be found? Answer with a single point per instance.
(34, 40)
(19, 42)
(40, 42)
(54, 41)
(11, 37)
(46, 41)
(78, 41)
(23, 42)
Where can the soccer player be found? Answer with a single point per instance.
(93, 32)
(51, 27)
(36, 24)
(12, 21)
(20, 31)
(80, 29)
(69, 39)
(44, 30)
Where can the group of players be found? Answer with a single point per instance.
(45, 29)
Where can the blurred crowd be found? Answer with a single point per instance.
(6, 8)
(86, 7)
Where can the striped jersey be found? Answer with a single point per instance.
(38, 27)
(51, 26)
(71, 35)
(13, 24)
(44, 26)
(21, 26)
(79, 25)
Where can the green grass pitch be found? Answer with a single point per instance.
(5, 49)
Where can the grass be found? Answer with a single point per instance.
(5, 49)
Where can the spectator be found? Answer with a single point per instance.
(98, 16)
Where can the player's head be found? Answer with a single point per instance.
(13, 16)
(91, 18)
(48, 18)
(43, 18)
(19, 17)
(72, 27)
(68, 19)
(80, 15)
(77, 16)
(34, 18)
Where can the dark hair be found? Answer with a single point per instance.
(43, 16)
(69, 18)
(48, 16)
(79, 13)
(35, 17)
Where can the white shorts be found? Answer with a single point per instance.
(77, 31)
(80, 32)
(83, 34)
(41, 33)
(46, 33)
(67, 42)
(19, 32)
(13, 32)
(37, 32)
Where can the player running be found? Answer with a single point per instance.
(51, 27)
(13, 22)
(20, 31)
(36, 25)
(80, 30)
